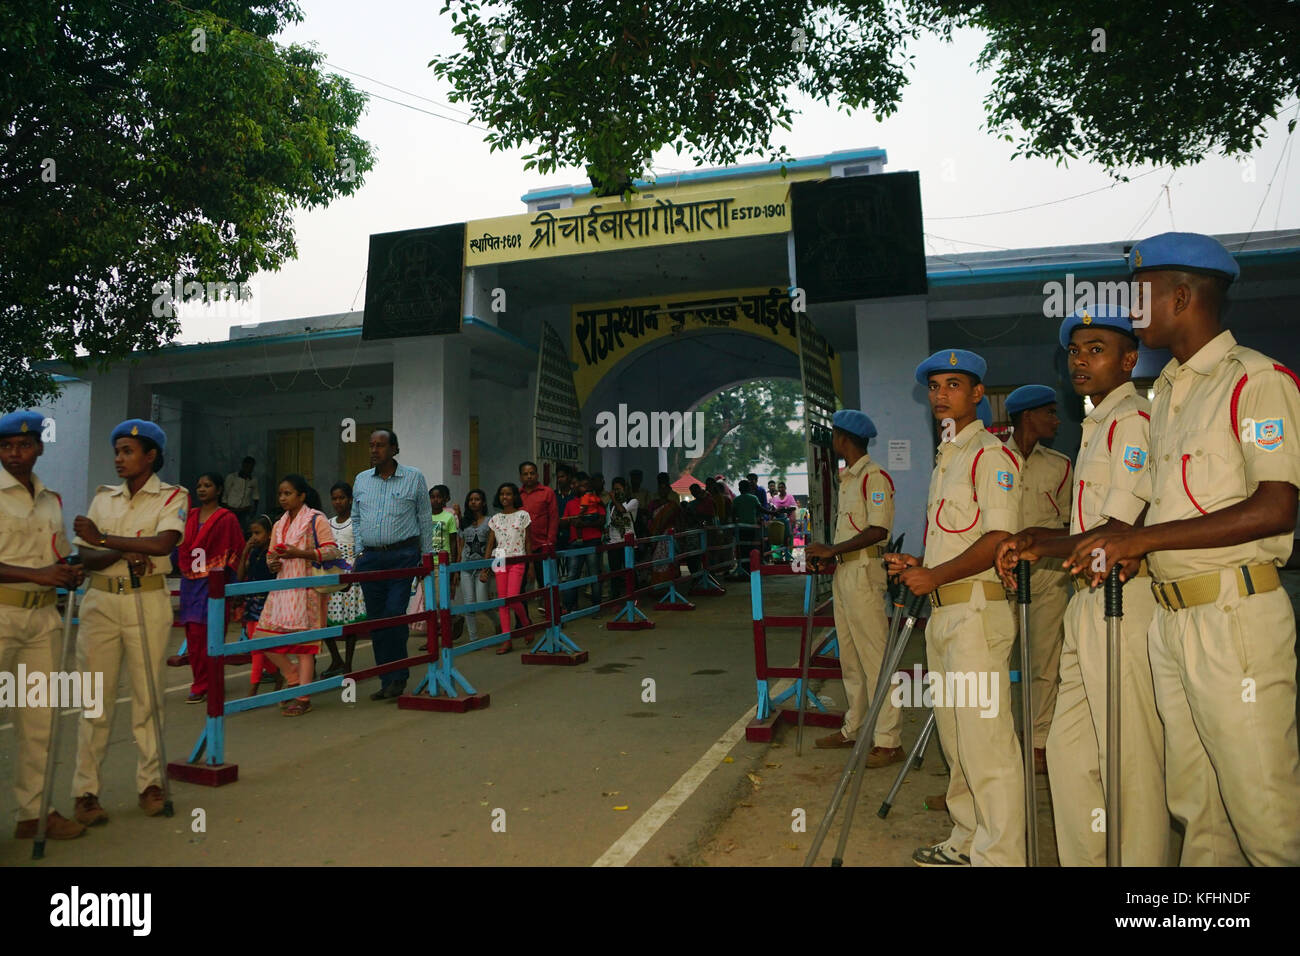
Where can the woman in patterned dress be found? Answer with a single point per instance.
(347, 606)
(300, 538)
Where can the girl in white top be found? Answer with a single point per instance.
(346, 606)
(508, 538)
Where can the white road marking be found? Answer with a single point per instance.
(638, 834)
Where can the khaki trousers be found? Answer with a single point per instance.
(861, 628)
(33, 638)
(986, 790)
(1076, 746)
(108, 633)
(1225, 686)
(1049, 591)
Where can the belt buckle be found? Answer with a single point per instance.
(120, 585)
(32, 599)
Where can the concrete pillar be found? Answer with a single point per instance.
(431, 407)
(108, 407)
(893, 338)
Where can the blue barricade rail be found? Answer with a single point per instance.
(443, 686)
(211, 745)
(768, 713)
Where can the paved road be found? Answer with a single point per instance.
(555, 754)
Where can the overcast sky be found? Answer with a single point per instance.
(431, 171)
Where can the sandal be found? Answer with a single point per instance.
(286, 704)
(505, 648)
(297, 707)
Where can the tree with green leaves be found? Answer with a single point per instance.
(607, 84)
(145, 142)
(744, 425)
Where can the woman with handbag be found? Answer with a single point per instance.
(302, 543)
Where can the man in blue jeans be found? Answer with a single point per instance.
(393, 526)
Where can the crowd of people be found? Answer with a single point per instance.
(520, 519)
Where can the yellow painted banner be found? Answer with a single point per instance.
(614, 224)
(605, 333)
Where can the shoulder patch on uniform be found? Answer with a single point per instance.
(1135, 457)
(1006, 480)
(1269, 434)
(877, 497)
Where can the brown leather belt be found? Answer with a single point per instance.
(27, 600)
(1204, 588)
(962, 591)
(102, 582)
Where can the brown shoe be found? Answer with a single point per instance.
(833, 741)
(57, 827)
(151, 801)
(1040, 761)
(88, 811)
(938, 802)
(884, 756)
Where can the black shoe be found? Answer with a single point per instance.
(333, 670)
(391, 692)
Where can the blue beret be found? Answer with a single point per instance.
(984, 412)
(22, 423)
(854, 422)
(139, 428)
(1029, 396)
(951, 360)
(1104, 316)
(1186, 252)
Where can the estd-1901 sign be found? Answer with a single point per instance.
(559, 450)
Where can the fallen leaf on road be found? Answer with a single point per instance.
(771, 766)
(482, 803)
(792, 846)
(728, 759)
(754, 779)
(622, 753)
(610, 793)
(620, 808)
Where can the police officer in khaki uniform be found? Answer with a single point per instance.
(1112, 487)
(974, 506)
(32, 544)
(132, 527)
(863, 522)
(1044, 502)
(1224, 475)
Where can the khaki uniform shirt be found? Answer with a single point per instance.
(960, 510)
(866, 500)
(1112, 476)
(156, 508)
(1045, 494)
(31, 527)
(1201, 464)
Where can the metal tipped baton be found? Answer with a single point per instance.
(805, 657)
(1027, 716)
(1114, 597)
(65, 665)
(153, 695)
(914, 759)
(853, 767)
